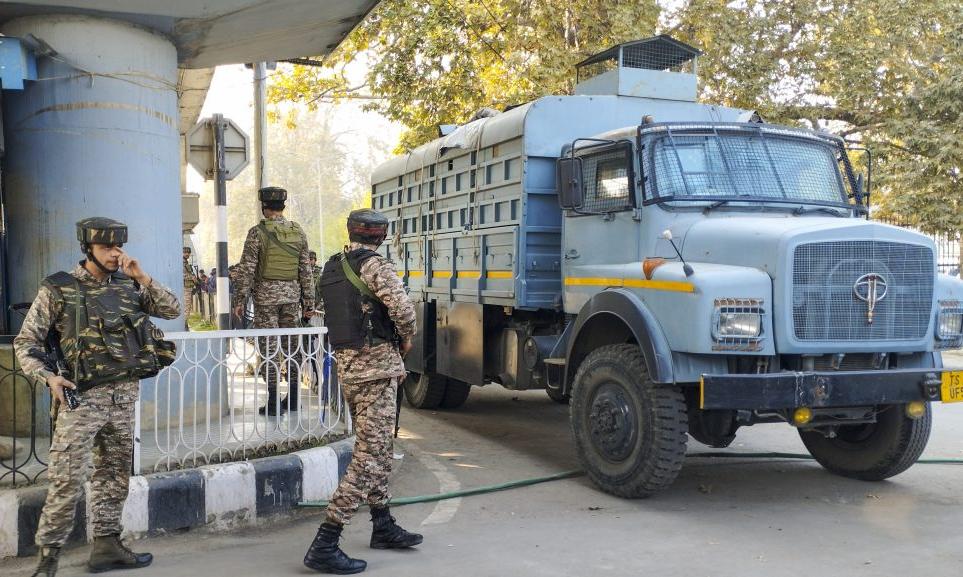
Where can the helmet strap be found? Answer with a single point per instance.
(89, 253)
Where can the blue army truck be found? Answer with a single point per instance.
(668, 267)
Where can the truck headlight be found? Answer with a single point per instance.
(733, 324)
(949, 325)
(737, 324)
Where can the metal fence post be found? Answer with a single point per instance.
(137, 437)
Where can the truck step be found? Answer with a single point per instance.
(559, 361)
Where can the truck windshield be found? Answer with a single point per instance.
(741, 163)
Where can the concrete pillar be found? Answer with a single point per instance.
(95, 135)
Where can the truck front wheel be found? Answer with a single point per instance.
(630, 433)
(874, 451)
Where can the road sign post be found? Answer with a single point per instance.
(219, 150)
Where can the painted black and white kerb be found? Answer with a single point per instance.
(218, 496)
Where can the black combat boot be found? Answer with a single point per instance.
(272, 407)
(47, 565)
(387, 534)
(325, 556)
(289, 404)
(110, 553)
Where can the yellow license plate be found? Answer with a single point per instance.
(951, 390)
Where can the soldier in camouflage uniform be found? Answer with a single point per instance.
(316, 275)
(275, 269)
(370, 329)
(102, 423)
(312, 343)
(190, 282)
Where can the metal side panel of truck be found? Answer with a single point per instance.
(670, 269)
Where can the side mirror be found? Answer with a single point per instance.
(569, 178)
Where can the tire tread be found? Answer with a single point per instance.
(668, 411)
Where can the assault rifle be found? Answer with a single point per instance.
(53, 357)
(58, 364)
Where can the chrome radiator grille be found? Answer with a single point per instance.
(825, 306)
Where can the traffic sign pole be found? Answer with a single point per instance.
(201, 152)
(219, 150)
(223, 296)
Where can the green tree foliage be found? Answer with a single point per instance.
(886, 75)
(439, 61)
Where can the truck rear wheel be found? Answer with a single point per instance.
(424, 390)
(630, 433)
(456, 393)
(875, 451)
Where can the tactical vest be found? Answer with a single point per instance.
(281, 244)
(354, 317)
(107, 338)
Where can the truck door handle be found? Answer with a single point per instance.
(572, 254)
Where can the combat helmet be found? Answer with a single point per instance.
(100, 230)
(367, 226)
(272, 194)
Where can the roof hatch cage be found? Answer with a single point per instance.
(660, 52)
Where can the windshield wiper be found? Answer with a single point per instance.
(803, 210)
(797, 211)
(717, 204)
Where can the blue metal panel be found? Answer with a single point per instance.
(540, 239)
(16, 64)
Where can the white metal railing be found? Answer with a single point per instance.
(204, 408)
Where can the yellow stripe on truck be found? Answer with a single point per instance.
(659, 285)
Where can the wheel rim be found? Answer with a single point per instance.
(613, 423)
(855, 434)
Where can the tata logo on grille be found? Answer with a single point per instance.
(870, 288)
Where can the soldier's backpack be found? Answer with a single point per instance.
(281, 245)
(108, 338)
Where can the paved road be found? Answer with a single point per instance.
(722, 517)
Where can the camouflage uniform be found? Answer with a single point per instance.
(102, 422)
(190, 282)
(316, 275)
(369, 379)
(277, 304)
(311, 344)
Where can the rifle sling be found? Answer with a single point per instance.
(355, 280)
